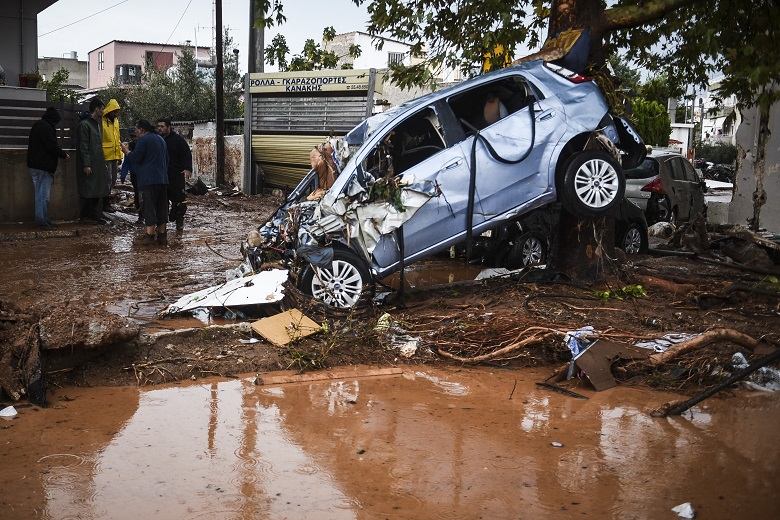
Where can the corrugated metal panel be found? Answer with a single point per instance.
(307, 114)
(284, 158)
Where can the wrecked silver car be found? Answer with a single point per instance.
(444, 168)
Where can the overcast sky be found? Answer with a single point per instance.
(156, 21)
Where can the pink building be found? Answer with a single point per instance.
(127, 61)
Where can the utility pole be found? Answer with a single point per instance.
(220, 99)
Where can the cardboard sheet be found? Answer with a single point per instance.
(285, 327)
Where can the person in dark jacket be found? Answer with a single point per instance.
(90, 164)
(149, 161)
(43, 153)
(179, 168)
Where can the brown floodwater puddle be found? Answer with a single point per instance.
(427, 444)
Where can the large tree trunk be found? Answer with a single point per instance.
(759, 195)
(583, 249)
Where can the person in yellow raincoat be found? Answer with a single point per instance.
(112, 148)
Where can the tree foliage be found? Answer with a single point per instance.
(313, 56)
(651, 121)
(56, 86)
(184, 92)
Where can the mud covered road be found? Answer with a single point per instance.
(64, 276)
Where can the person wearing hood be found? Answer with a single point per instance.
(43, 153)
(112, 148)
(90, 164)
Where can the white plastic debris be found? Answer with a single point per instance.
(685, 510)
(556, 444)
(263, 287)
(8, 411)
(666, 341)
(661, 229)
(577, 340)
(765, 379)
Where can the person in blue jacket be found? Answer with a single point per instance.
(149, 161)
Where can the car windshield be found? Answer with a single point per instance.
(648, 168)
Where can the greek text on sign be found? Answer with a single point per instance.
(310, 81)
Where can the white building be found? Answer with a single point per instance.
(720, 123)
(392, 52)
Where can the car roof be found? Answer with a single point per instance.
(663, 153)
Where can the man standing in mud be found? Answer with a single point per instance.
(179, 168)
(90, 164)
(149, 161)
(43, 153)
(112, 148)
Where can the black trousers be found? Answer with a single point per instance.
(177, 196)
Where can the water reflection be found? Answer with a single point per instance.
(410, 447)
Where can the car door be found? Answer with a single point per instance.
(681, 189)
(440, 220)
(696, 188)
(532, 129)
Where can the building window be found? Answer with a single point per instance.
(101, 61)
(395, 58)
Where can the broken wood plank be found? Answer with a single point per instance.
(322, 375)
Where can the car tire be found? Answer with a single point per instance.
(344, 284)
(527, 250)
(634, 240)
(593, 184)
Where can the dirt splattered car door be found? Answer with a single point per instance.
(420, 153)
(683, 189)
(522, 127)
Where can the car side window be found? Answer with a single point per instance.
(690, 172)
(676, 167)
(487, 104)
(412, 141)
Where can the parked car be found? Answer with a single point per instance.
(446, 167)
(666, 187)
(526, 241)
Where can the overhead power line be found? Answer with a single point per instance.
(85, 18)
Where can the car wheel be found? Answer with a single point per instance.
(593, 184)
(634, 240)
(527, 250)
(345, 283)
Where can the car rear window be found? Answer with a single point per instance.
(648, 168)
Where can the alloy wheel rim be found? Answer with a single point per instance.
(633, 242)
(532, 252)
(339, 286)
(596, 183)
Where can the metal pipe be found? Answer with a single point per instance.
(21, 36)
(220, 99)
(677, 410)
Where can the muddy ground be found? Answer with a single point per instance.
(59, 284)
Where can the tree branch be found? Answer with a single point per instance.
(628, 16)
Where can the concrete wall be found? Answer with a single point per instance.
(745, 183)
(17, 200)
(19, 37)
(204, 156)
(77, 70)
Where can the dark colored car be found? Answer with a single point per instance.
(667, 187)
(527, 240)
